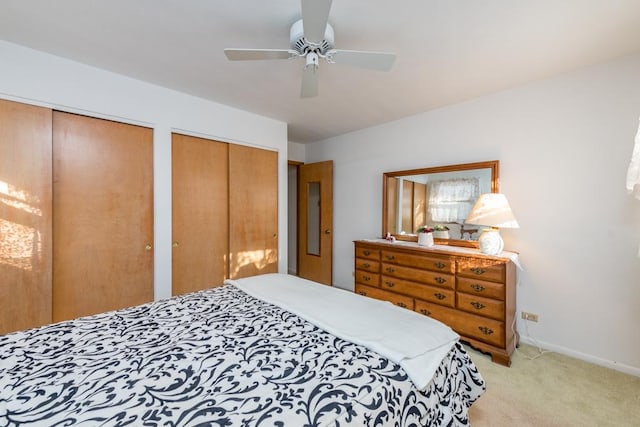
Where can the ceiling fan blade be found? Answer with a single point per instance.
(256, 54)
(309, 87)
(315, 14)
(380, 61)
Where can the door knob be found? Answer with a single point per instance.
(148, 247)
(175, 244)
(327, 231)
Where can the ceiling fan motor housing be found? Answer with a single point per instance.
(303, 46)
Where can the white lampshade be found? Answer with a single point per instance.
(493, 210)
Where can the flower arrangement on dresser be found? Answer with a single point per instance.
(441, 231)
(425, 236)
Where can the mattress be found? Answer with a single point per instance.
(218, 357)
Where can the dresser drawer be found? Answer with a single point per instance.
(481, 288)
(482, 306)
(422, 276)
(418, 290)
(433, 263)
(399, 300)
(471, 292)
(468, 325)
(367, 265)
(367, 253)
(480, 268)
(367, 278)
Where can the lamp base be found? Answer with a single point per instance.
(490, 242)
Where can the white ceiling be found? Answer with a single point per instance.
(448, 51)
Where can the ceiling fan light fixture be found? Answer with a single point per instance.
(299, 42)
(312, 37)
(312, 60)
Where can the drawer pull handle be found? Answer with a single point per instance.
(366, 278)
(476, 287)
(440, 280)
(439, 265)
(477, 305)
(366, 265)
(362, 293)
(478, 270)
(439, 296)
(390, 270)
(485, 330)
(389, 284)
(366, 253)
(425, 311)
(401, 304)
(390, 257)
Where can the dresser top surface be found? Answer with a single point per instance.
(443, 249)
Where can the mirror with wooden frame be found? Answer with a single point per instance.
(439, 197)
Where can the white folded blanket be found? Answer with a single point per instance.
(415, 342)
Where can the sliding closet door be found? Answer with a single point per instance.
(102, 215)
(199, 213)
(25, 216)
(253, 211)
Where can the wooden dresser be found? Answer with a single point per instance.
(474, 294)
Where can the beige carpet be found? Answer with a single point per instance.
(554, 390)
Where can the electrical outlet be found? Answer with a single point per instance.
(529, 316)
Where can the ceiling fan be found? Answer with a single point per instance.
(312, 38)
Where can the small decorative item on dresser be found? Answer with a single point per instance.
(441, 231)
(425, 236)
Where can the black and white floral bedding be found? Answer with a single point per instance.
(216, 358)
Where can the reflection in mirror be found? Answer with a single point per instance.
(313, 218)
(439, 197)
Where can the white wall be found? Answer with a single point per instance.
(41, 79)
(296, 151)
(564, 145)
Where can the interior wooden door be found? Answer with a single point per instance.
(25, 216)
(103, 215)
(253, 211)
(315, 219)
(200, 223)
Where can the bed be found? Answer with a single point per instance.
(270, 350)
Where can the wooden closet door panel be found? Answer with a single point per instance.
(200, 224)
(25, 216)
(392, 205)
(419, 205)
(407, 207)
(253, 211)
(102, 215)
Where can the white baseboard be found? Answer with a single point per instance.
(611, 364)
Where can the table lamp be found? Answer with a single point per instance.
(491, 210)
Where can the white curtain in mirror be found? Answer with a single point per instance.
(451, 200)
(633, 174)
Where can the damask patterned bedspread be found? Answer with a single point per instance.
(218, 357)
